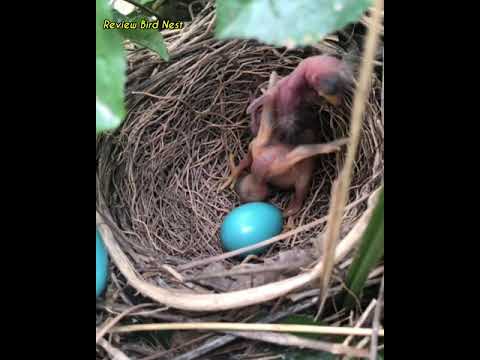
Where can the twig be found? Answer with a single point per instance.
(376, 322)
(271, 357)
(339, 199)
(362, 343)
(162, 354)
(206, 348)
(334, 290)
(245, 271)
(154, 314)
(376, 272)
(114, 353)
(226, 339)
(361, 321)
(292, 340)
(174, 273)
(329, 243)
(120, 290)
(110, 323)
(225, 326)
(180, 278)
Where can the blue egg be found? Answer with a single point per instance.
(249, 224)
(102, 266)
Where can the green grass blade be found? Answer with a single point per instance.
(370, 252)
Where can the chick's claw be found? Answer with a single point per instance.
(290, 225)
(231, 178)
(229, 182)
(291, 211)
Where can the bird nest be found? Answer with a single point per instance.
(158, 176)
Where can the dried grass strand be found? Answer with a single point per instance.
(224, 326)
(341, 188)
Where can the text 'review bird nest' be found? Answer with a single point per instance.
(158, 176)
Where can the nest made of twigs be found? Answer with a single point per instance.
(158, 176)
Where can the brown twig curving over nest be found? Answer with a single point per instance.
(158, 176)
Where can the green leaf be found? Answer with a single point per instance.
(149, 38)
(285, 22)
(369, 253)
(110, 72)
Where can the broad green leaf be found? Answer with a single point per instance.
(150, 38)
(369, 253)
(286, 22)
(110, 72)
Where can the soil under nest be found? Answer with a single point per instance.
(158, 176)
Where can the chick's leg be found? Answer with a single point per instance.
(301, 190)
(297, 202)
(235, 171)
(263, 136)
(303, 152)
(255, 123)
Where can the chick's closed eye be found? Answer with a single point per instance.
(330, 85)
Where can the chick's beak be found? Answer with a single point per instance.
(332, 99)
